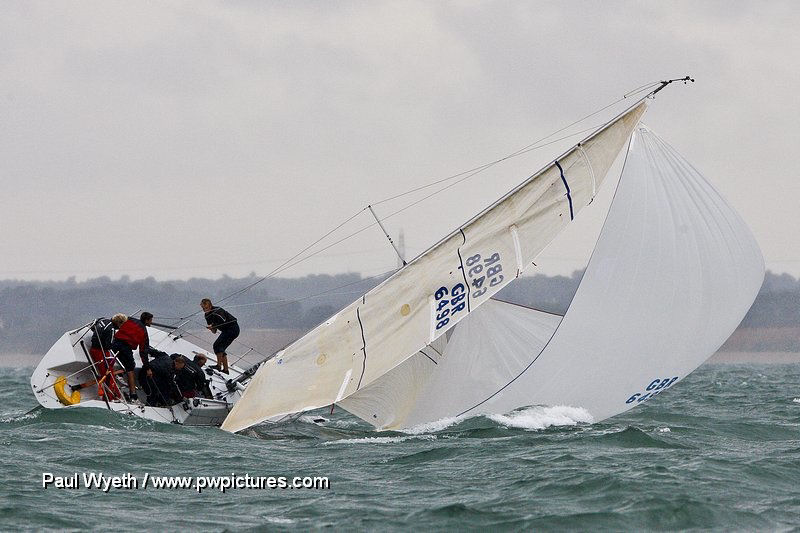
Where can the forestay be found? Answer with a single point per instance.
(674, 271)
(422, 301)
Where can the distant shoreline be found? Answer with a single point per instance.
(754, 357)
(723, 358)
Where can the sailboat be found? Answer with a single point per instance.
(672, 274)
(68, 363)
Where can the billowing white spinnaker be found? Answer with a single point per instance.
(484, 351)
(674, 271)
(425, 299)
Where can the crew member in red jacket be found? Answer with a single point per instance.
(132, 334)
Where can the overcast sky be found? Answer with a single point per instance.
(196, 139)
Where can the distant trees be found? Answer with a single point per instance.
(34, 314)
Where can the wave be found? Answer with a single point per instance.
(380, 440)
(433, 427)
(538, 417)
(529, 418)
(432, 455)
(632, 437)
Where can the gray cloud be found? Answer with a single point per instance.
(195, 138)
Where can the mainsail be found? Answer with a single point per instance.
(674, 271)
(426, 299)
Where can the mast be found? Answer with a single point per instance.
(685, 80)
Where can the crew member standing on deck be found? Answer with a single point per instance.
(132, 334)
(219, 319)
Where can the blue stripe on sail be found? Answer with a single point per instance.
(569, 195)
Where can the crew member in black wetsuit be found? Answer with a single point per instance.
(219, 319)
(189, 377)
(158, 380)
(100, 352)
(197, 368)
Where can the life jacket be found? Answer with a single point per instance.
(102, 334)
(134, 333)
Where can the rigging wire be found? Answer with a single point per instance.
(287, 301)
(250, 349)
(525, 149)
(288, 265)
(297, 259)
(469, 173)
(482, 169)
(641, 88)
(284, 302)
(278, 268)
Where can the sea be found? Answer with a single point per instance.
(719, 451)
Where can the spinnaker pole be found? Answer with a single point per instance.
(386, 233)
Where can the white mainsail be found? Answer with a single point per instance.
(422, 301)
(674, 271)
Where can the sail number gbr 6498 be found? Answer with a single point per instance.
(481, 273)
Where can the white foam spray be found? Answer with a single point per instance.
(538, 417)
(379, 440)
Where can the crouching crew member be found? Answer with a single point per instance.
(132, 334)
(219, 319)
(158, 380)
(189, 377)
(197, 364)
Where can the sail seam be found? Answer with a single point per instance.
(363, 348)
(461, 262)
(569, 193)
(591, 171)
(517, 249)
(429, 357)
(340, 395)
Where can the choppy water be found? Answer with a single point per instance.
(720, 451)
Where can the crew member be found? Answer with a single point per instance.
(102, 336)
(158, 380)
(219, 319)
(200, 359)
(197, 364)
(188, 377)
(132, 334)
